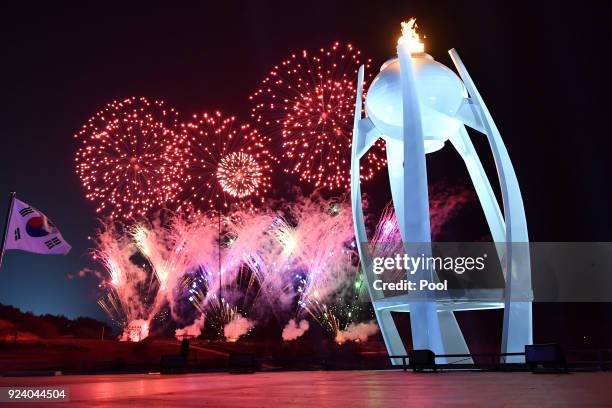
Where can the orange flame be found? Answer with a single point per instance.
(410, 38)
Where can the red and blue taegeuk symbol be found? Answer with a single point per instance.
(39, 226)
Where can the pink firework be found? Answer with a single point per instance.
(308, 102)
(130, 160)
(228, 163)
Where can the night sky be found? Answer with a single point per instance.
(543, 70)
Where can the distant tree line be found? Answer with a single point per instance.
(50, 326)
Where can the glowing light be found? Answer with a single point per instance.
(129, 160)
(239, 174)
(226, 161)
(410, 38)
(140, 235)
(388, 227)
(136, 331)
(308, 101)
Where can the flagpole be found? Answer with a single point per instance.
(9, 212)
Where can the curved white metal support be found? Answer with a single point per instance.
(369, 134)
(517, 327)
(452, 337)
(464, 146)
(391, 337)
(470, 115)
(408, 178)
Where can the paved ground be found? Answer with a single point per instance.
(338, 389)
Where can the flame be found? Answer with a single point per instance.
(410, 37)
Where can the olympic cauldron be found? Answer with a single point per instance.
(417, 105)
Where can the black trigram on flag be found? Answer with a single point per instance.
(26, 211)
(55, 241)
(17, 234)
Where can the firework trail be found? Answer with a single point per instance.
(289, 261)
(308, 102)
(387, 240)
(303, 261)
(129, 160)
(274, 264)
(265, 245)
(167, 257)
(445, 202)
(199, 246)
(183, 243)
(123, 298)
(329, 260)
(228, 162)
(112, 305)
(297, 256)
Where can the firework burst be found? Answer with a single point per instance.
(130, 160)
(228, 162)
(308, 101)
(239, 174)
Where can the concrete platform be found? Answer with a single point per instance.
(338, 389)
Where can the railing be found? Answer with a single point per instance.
(495, 361)
(578, 360)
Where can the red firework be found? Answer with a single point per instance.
(228, 163)
(309, 101)
(130, 160)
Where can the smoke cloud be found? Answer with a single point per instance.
(193, 330)
(357, 332)
(85, 272)
(294, 330)
(237, 327)
(445, 202)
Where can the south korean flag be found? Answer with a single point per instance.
(31, 231)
